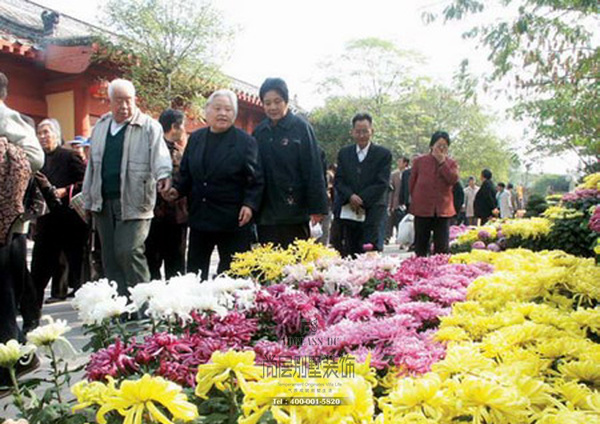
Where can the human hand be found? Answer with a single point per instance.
(356, 202)
(61, 192)
(170, 195)
(316, 218)
(496, 212)
(245, 215)
(163, 185)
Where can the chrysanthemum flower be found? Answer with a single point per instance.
(12, 351)
(222, 366)
(136, 398)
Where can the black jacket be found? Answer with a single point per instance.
(485, 200)
(294, 176)
(405, 189)
(369, 179)
(232, 178)
(458, 193)
(64, 169)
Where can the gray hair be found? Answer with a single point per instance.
(224, 93)
(120, 83)
(54, 127)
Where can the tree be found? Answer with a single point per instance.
(405, 126)
(370, 68)
(547, 55)
(167, 48)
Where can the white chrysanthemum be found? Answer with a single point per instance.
(143, 292)
(48, 333)
(294, 273)
(52, 334)
(97, 301)
(12, 351)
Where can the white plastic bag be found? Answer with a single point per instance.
(316, 231)
(406, 231)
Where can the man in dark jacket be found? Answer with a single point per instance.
(485, 199)
(221, 176)
(295, 190)
(361, 182)
(166, 242)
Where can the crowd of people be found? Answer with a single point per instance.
(139, 196)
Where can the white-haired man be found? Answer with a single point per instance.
(221, 175)
(128, 162)
(61, 230)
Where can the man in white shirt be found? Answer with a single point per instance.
(504, 201)
(470, 192)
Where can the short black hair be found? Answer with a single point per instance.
(405, 159)
(3, 86)
(276, 84)
(169, 118)
(487, 174)
(362, 117)
(471, 178)
(502, 185)
(437, 135)
(510, 186)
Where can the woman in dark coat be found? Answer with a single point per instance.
(485, 199)
(295, 190)
(222, 177)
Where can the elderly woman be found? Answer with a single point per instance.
(295, 190)
(220, 173)
(431, 182)
(61, 230)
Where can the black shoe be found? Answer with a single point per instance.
(53, 299)
(72, 293)
(27, 365)
(30, 325)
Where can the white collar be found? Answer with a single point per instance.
(116, 127)
(365, 150)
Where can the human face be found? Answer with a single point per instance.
(122, 104)
(275, 107)
(220, 114)
(48, 138)
(401, 164)
(362, 133)
(472, 183)
(177, 133)
(441, 146)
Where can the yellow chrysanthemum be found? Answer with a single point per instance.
(489, 402)
(591, 181)
(419, 396)
(92, 393)
(135, 398)
(222, 366)
(584, 371)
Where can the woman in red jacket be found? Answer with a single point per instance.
(431, 180)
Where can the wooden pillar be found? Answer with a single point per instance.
(82, 109)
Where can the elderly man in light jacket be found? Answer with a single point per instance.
(128, 162)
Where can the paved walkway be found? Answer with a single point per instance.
(64, 310)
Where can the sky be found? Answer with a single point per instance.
(290, 39)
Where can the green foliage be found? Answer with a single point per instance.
(550, 183)
(547, 53)
(536, 205)
(405, 125)
(167, 48)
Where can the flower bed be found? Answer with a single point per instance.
(482, 337)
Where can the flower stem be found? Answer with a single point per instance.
(234, 410)
(16, 391)
(55, 373)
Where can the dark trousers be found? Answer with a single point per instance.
(202, 244)
(166, 243)
(13, 277)
(59, 231)
(354, 235)
(283, 235)
(441, 235)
